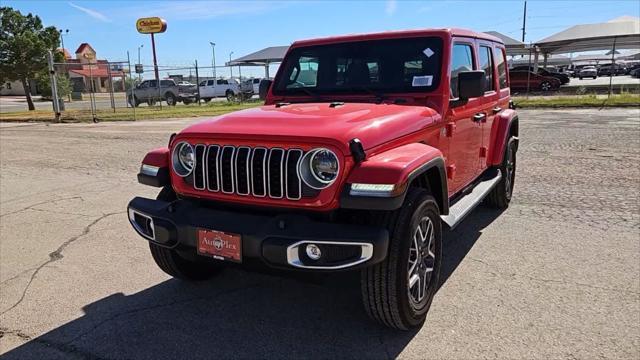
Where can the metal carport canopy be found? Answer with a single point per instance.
(513, 46)
(264, 57)
(623, 31)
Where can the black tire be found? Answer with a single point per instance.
(206, 99)
(501, 195)
(170, 99)
(580, 77)
(546, 86)
(230, 96)
(385, 286)
(170, 261)
(595, 77)
(133, 101)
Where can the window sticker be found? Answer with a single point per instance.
(422, 80)
(428, 52)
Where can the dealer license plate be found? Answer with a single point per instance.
(220, 245)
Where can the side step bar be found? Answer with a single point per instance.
(463, 207)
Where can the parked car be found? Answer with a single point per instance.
(635, 73)
(148, 91)
(588, 71)
(519, 79)
(255, 84)
(229, 88)
(342, 170)
(617, 69)
(563, 78)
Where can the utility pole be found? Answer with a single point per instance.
(524, 21)
(213, 58)
(230, 67)
(64, 56)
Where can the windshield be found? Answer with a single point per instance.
(364, 67)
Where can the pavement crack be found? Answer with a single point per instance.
(31, 207)
(57, 255)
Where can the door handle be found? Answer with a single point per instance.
(497, 109)
(479, 117)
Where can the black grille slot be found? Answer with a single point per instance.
(213, 183)
(226, 169)
(249, 171)
(294, 189)
(198, 171)
(242, 170)
(258, 169)
(275, 171)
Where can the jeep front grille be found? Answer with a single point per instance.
(245, 171)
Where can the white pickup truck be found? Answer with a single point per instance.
(229, 88)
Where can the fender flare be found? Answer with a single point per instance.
(154, 170)
(399, 166)
(503, 124)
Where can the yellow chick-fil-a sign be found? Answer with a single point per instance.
(151, 25)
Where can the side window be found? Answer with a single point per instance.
(486, 65)
(222, 82)
(306, 74)
(210, 83)
(151, 84)
(502, 67)
(461, 60)
(167, 83)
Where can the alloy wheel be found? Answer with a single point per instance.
(510, 171)
(421, 262)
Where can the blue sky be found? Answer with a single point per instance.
(247, 26)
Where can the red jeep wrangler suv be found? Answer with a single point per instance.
(366, 146)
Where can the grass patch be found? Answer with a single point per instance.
(126, 114)
(623, 100)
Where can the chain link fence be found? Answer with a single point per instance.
(95, 89)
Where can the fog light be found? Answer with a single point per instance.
(313, 252)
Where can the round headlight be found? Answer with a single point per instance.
(319, 168)
(183, 159)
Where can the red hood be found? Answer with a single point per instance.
(373, 124)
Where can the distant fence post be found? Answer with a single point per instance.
(132, 102)
(198, 84)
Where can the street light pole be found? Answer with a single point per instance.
(139, 47)
(230, 67)
(64, 56)
(213, 58)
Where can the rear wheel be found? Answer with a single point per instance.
(500, 196)
(545, 86)
(206, 99)
(398, 291)
(133, 101)
(172, 263)
(230, 95)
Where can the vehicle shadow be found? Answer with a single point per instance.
(240, 315)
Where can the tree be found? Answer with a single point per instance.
(24, 44)
(44, 83)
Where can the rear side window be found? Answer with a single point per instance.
(461, 60)
(486, 65)
(501, 65)
(166, 83)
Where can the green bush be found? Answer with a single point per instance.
(44, 84)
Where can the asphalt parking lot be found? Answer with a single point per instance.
(557, 275)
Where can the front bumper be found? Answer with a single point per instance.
(278, 240)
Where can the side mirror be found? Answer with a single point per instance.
(470, 84)
(265, 84)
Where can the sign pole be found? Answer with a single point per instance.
(155, 67)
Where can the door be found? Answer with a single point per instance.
(489, 101)
(462, 126)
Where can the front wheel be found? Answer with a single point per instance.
(398, 291)
(174, 264)
(170, 99)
